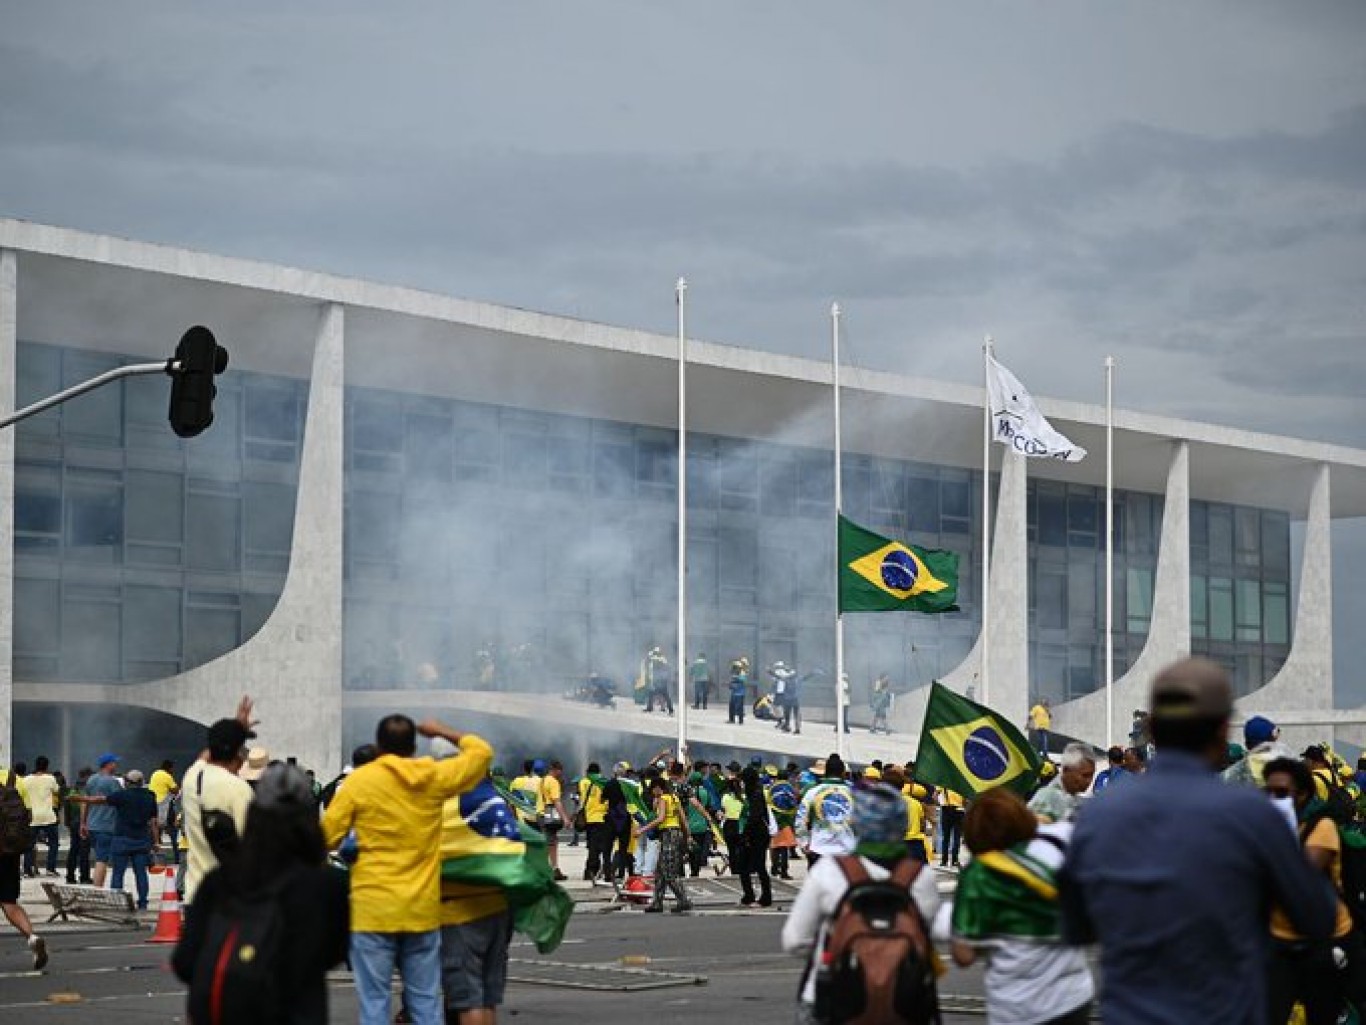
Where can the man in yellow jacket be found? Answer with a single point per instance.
(394, 804)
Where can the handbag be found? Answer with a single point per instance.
(549, 817)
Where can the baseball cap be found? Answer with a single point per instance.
(1258, 730)
(226, 739)
(1194, 688)
(538, 766)
(1315, 751)
(871, 773)
(734, 766)
(105, 759)
(621, 767)
(133, 777)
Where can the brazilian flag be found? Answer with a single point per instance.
(969, 749)
(878, 574)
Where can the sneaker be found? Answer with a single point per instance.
(679, 909)
(765, 902)
(746, 901)
(39, 947)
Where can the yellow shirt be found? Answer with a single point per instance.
(1324, 835)
(1040, 718)
(161, 784)
(394, 805)
(673, 819)
(593, 803)
(527, 787)
(549, 793)
(915, 819)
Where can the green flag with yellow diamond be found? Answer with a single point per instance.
(878, 574)
(969, 749)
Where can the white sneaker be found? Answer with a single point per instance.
(39, 947)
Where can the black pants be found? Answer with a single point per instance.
(697, 853)
(782, 862)
(622, 862)
(792, 715)
(730, 832)
(700, 693)
(1303, 972)
(736, 712)
(666, 702)
(43, 834)
(951, 827)
(599, 850)
(754, 861)
(78, 857)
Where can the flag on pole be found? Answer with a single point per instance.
(878, 574)
(1017, 422)
(969, 749)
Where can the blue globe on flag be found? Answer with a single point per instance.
(985, 753)
(485, 812)
(899, 570)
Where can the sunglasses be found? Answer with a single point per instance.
(1279, 792)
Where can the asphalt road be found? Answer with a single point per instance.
(719, 965)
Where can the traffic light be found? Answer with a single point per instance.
(198, 359)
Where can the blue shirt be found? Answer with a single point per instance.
(1174, 875)
(1107, 776)
(101, 818)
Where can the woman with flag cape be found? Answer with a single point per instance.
(1006, 908)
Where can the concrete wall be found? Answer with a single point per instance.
(1169, 630)
(1305, 682)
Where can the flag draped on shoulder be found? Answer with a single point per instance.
(1017, 422)
(485, 849)
(969, 749)
(878, 574)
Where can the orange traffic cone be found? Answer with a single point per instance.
(168, 916)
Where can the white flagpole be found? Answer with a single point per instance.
(680, 295)
(1109, 551)
(984, 695)
(840, 711)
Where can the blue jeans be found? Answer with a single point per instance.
(418, 955)
(138, 858)
(43, 834)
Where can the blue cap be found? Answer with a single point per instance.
(538, 766)
(1258, 730)
(105, 759)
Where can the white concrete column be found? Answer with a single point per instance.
(1169, 629)
(1009, 583)
(293, 665)
(9, 343)
(1306, 680)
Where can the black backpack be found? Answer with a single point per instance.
(238, 975)
(1339, 805)
(16, 821)
(877, 967)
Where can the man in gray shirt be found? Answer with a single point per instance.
(1174, 874)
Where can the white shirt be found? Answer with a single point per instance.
(807, 922)
(40, 789)
(221, 791)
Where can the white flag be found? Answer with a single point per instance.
(1017, 422)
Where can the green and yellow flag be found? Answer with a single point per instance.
(878, 574)
(969, 749)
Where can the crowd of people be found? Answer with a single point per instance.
(1219, 882)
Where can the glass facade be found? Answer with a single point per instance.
(495, 547)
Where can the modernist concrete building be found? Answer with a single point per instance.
(412, 501)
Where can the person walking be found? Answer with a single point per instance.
(550, 811)
(213, 799)
(668, 820)
(738, 692)
(43, 793)
(394, 805)
(950, 827)
(14, 821)
(164, 788)
(599, 833)
(1184, 929)
(699, 676)
(1006, 909)
(824, 821)
(756, 830)
(281, 859)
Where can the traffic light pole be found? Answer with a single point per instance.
(169, 366)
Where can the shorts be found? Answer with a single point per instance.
(102, 845)
(9, 878)
(474, 962)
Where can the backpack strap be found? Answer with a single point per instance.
(852, 867)
(906, 872)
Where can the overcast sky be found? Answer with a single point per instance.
(1179, 184)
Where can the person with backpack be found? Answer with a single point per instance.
(1006, 909)
(860, 921)
(16, 837)
(1303, 969)
(276, 898)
